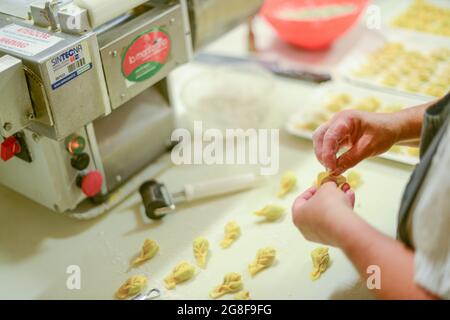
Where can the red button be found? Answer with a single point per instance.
(92, 183)
(10, 147)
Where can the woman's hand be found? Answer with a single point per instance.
(366, 135)
(323, 214)
(326, 216)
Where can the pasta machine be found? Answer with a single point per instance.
(85, 101)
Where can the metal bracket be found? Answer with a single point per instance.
(24, 153)
(44, 13)
(73, 20)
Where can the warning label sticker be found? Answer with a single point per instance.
(69, 64)
(25, 41)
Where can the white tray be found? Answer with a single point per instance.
(398, 7)
(322, 95)
(375, 40)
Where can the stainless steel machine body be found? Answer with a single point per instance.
(84, 107)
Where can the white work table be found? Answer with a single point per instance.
(37, 245)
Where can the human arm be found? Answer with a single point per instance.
(365, 135)
(366, 246)
(326, 216)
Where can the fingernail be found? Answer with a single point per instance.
(345, 187)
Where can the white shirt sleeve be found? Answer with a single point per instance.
(431, 225)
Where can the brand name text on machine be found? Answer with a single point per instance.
(73, 52)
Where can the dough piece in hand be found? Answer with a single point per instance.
(271, 212)
(232, 282)
(288, 182)
(354, 179)
(181, 273)
(148, 251)
(321, 262)
(201, 248)
(232, 232)
(264, 259)
(242, 295)
(324, 177)
(132, 287)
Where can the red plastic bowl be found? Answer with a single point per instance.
(311, 34)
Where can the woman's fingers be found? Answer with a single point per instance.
(336, 134)
(303, 198)
(345, 187)
(351, 197)
(351, 157)
(318, 141)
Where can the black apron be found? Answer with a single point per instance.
(435, 124)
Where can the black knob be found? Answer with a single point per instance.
(80, 161)
(154, 199)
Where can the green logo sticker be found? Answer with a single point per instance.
(146, 55)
